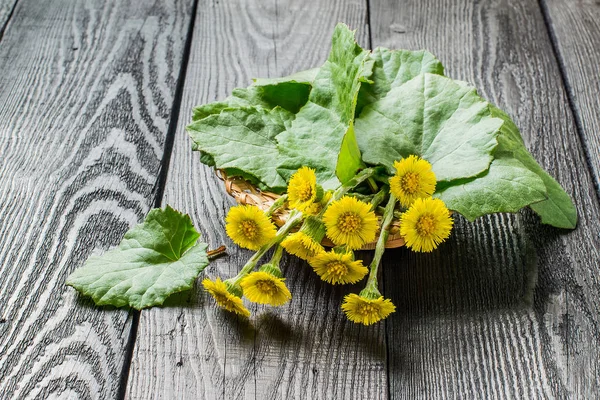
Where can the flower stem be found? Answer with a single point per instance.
(276, 258)
(359, 178)
(277, 204)
(351, 184)
(372, 184)
(379, 197)
(388, 215)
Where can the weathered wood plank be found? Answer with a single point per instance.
(507, 308)
(575, 29)
(6, 8)
(85, 100)
(305, 349)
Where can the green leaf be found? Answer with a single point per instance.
(305, 77)
(316, 134)
(392, 68)
(507, 186)
(156, 258)
(244, 139)
(290, 96)
(349, 159)
(432, 116)
(271, 143)
(557, 210)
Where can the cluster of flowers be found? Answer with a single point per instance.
(348, 221)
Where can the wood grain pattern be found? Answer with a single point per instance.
(305, 349)
(575, 29)
(6, 9)
(84, 108)
(507, 308)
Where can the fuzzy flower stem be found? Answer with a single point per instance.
(372, 184)
(277, 204)
(294, 218)
(379, 197)
(397, 214)
(359, 178)
(351, 184)
(276, 258)
(371, 289)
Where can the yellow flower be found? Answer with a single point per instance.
(224, 298)
(338, 268)
(413, 180)
(426, 224)
(350, 222)
(302, 189)
(301, 245)
(367, 311)
(249, 227)
(265, 288)
(316, 208)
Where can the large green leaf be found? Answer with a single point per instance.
(513, 181)
(244, 139)
(290, 96)
(442, 120)
(316, 134)
(507, 186)
(306, 77)
(558, 209)
(268, 143)
(157, 258)
(392, 68)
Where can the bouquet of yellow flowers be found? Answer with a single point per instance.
(349, 220)
(371, 144)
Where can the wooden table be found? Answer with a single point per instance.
(94, 98)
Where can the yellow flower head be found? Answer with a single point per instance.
(316, 208)
(367, 311)
(301, 245)
(350, 222)
(224, 298)
(249, 227)
(302, 189)
(413, 180)
(426, 224)
(336, 268)
(265, 288)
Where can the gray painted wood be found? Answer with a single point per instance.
(306, 349)
(85, 99)
(575, 28)
(6, 7)
(507, 308)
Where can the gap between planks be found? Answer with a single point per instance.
(569, 90)
(159, 188)
(4, 14)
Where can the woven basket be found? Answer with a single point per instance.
(246, 193)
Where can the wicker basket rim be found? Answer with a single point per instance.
(245, 192)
